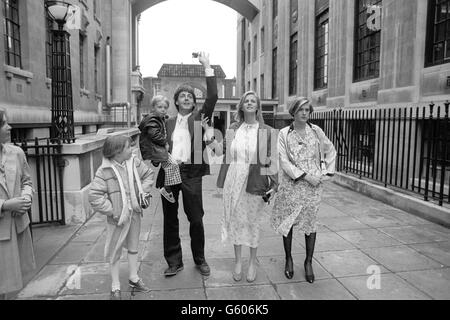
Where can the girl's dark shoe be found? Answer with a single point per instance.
(289, 268)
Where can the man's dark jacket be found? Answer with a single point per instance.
(197, 166)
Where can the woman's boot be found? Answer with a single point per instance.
(310, 242)
(289, 267)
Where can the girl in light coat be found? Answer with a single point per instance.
(16, 247)
(120, 186)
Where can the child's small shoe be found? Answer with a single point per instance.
(139, 286)
(169, 196)
(115, 295)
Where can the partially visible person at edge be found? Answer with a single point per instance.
(307, 160)
(116, 191)
(246, 180)
(154, 145)
(187, 146)
(16, 190)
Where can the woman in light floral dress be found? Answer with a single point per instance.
(307, 159)
(245, 179)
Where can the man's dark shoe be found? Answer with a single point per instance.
(139, 286)
(115, 295)
(204, 269)
(173, 270)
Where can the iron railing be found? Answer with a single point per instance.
(47, 168)
(405, 148)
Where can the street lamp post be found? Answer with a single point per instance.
(62, 100)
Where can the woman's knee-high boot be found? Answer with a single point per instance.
(310, 242)
(289, 267)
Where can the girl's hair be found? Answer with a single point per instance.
(2, 117)
(299, 102)
(240, 114)
(158, 99)
(115, 145)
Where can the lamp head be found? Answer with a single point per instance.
(59, 11)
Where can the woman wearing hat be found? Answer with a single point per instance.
(307, 159)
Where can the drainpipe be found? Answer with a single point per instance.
(108, 71)
(128, 115)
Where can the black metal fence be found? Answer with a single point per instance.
(47, 168)
(406, 148)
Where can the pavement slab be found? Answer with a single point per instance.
(414, 234)
(343, 223)
(243, 293)
(391, 287)
(368, 238)
(346, 263)
(401, 258)
(47, 283)
(439, 251)
(330, 241)
(178, 294)
(328, 289)
(73, 253)
(435, 283)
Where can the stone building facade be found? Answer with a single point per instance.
(352, 54)
(25, 83)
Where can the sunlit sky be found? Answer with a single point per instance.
(170, 31)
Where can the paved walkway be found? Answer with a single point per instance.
(356, 234)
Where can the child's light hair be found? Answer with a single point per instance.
(157, 99)
(115, 145)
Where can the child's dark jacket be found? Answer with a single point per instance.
(153, 138)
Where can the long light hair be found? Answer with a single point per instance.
(240, 114)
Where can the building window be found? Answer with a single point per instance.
(198, 93)
(294, 10)
(321, 56)
(49, 44)
(255, 85)
(249, 55)
(234, 91)
(82, 61)
(438, 32)
(263, 40)
(274, 9)
(248, 86)
(274, 73)
(293, 65)
(157, 89)
(255, 47)
(262, 93)
(96, 63)
(367, 43)
(12, 33)
(95, 8)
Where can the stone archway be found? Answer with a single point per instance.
(244, 7)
